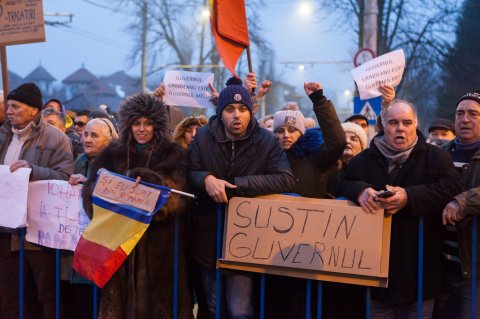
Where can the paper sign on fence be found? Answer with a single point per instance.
(13, 196)
(56, 217)
(188, 88)
(385, 69)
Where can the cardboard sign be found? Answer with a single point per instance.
(21, 22)
(125, 191)
(13, 196)
(308, 238)
(56, 217)
(386, 69)
(188, 89)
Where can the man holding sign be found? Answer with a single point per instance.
(27, 142)
(410, 179)
(230, 156)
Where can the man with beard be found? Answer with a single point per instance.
(231, 156)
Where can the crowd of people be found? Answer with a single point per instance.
(233, 154)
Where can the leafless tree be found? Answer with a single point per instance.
(178, 36)
(423, 29)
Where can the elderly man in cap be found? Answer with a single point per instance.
(231, 156)
(27, 141)
(441, 131)
(459, 214)
(420, 179)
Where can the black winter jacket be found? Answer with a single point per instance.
(315, 152)
(256, 164)
(469, 202)
(430, 181)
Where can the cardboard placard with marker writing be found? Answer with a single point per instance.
(332, 240)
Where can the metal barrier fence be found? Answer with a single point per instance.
(263, 279)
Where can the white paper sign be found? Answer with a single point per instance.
(184, 88)
(13, 196)
(56, 217)
(385, 69)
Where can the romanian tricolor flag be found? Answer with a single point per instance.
(116, 227)
(228, 20)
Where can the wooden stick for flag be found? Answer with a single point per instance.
(249, 59)
(3, 60)
(250, 67)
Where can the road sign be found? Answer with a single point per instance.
(362, 56)
(370, 108)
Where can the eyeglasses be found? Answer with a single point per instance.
(79, 124)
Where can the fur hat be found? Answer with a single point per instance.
(179, 133)
(27, 93)
(233, 93)
(471, 95)
(358, 131)
(145, 105)
(290, 118)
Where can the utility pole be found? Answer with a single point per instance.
(144, 46)
(370, 25)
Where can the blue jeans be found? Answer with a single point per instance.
(454, 302)
(385, 310)
(236, 290)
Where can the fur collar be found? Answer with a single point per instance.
(308, 144)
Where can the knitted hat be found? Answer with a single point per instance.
(471, 95)
(290, 118)
(233, 93)
(358, 131)
(443, 124)
(27, 93)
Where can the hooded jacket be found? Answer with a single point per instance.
(142, 287)
(179, 133)
(257, 166)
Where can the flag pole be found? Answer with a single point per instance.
(3, 60)
(182, 193)
(250, 68)
(249, 59)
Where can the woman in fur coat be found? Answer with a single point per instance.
(143, 285)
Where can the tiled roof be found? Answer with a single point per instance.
(39, 74)
(82, 75)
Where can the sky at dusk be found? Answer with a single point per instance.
(97, 38)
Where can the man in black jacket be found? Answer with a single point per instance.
(422, 179)
(231, 156)
(456, 298)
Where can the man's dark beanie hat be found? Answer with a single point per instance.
(233, 93)
(27, 93)
(473, 95)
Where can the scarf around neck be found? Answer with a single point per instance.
(393, 156)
